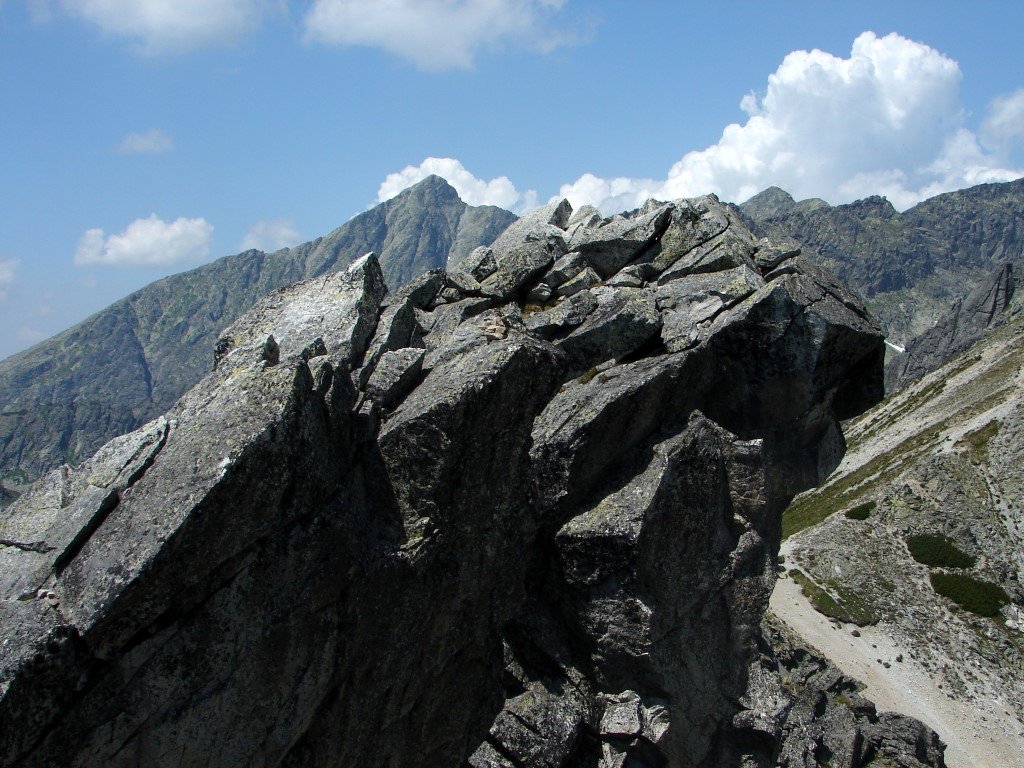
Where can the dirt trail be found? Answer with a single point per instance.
(977, 737)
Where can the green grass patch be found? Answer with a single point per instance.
(846, 609)
(979, 439)
(939, 551)
(963, 365)
(990, 388)
(979, 597)
(861, 511)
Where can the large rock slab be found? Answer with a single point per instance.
(621, 321)
(689, 304)
(611, 245)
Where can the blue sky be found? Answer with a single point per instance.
(142, 137)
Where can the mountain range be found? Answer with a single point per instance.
(66, 396)
(910, 266)
(602, 319)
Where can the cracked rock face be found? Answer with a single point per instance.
(987, 307)
(448, 526)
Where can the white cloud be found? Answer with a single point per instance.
(436, 34)
(147, 242)
(166, 26)
(499, 191)
(152, 142)
(8, 271)
(270, 235)
(1004, 125)
(27, 335)
(887, 119)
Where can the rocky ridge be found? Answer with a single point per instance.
(66, 396)
(910, 266)
(822, 715)
(520, 513)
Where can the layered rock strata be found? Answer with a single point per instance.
(523, 513)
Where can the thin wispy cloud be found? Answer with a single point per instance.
(270, 235)
(28, 335)
(8, 273)
(151, 142)
(1003, 128)
(156, 27)
(435, 35)
(147, 242)
(439, 35)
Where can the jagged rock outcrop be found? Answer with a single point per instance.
(447, 525)
(66, 396)
(987, 307)
(798, 699)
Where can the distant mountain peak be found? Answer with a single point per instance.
(775, 202)
(163, 333)
(770, 203)
(873, 205)
(433, 187)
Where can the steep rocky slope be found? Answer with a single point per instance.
(995, 301)
(63, 398)
(921, 531)
(909, 266)
(520, 514)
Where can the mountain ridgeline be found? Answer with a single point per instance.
(63, 398)
(909, 266)
(518, 514)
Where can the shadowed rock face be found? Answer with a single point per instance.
(447, 526)
(987, 307)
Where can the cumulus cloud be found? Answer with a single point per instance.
(151, 142)
(887, 119)
(270, 235)
(145, 243)
(165, 26)
(436, 34)
(499, 191)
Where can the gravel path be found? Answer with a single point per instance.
(977, 736)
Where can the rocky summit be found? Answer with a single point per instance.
(65, 397)
(520, 513)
